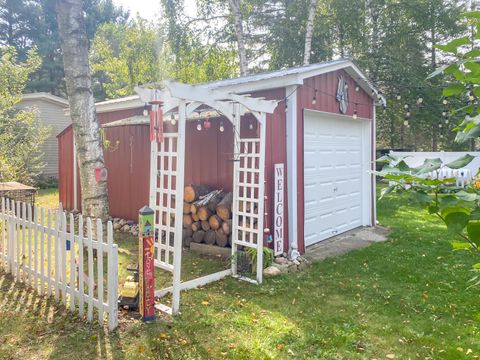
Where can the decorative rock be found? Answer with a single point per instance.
(116, 220)
(296, 262)
(126, 228)
(122, 222)
(282, 267)
(271, 271)
(117, 226)
(280, 260)
(134, 232)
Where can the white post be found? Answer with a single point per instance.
(177, 244)
(99, 229)
(75, 182)
(292, 158)
(112, 279)
(236, 167)
(261, 194)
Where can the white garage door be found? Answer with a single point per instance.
(335, 150)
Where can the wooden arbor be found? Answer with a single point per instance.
(167, 170)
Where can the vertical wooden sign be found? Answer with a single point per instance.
(278, 219)
(146, 269)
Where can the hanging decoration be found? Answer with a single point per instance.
(207, 124)
(156, 120)
(145, 110)
(314, 100)
(342, 94)
(221, 128)
(199, 125)
(173, 121)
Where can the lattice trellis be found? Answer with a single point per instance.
(163, 197)
(248, 196)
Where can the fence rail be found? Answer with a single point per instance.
(42, 249)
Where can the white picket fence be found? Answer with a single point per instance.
(42, 250)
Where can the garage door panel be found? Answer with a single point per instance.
(332, 176)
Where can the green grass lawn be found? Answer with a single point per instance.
(408, 297)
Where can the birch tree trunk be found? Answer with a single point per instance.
(242, 52)
(312, 9)
(74, 44)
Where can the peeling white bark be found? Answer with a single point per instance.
(71, 23)
(242, 52)
(312, 9)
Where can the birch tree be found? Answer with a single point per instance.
(240, 35)
(312, 9)
(74, 44)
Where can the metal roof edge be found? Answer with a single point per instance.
(47, 97)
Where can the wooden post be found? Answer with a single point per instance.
(145, 263)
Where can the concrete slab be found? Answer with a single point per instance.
(341, 244)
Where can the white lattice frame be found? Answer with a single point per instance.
(187, 98)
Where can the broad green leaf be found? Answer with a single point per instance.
(475, 53)
(460, 245)
(466, 196)
(433, 209)
(460, 162)
(402, 166)
(473, 230)
(474, 67)
(421, 197)
(471, 14)
(476, 266)
(428, 165)
(452, 46)
(454, 89)
(456, 218)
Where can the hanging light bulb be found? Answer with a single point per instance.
(221, 127)
(250, 126)
(199, 125)
(419, 100)
(471, 97)
(145, 110)
(446, 121)
(286, 105)
(172, 120)
(444, 113)
(399, 97)
(440, 125)
(408, 113)
(406, 106)
(355, 115)
(314, 100)
(405, 122)
(357, 88)
(445, 100)
(346, 86)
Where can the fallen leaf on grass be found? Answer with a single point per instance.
(391, 356)
(163, 336)
(141, 349)
(232, 346)
(280, 346)
(204, 302)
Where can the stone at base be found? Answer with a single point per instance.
(271, 271)
(211, 250)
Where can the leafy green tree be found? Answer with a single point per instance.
(20, 132)
(123, 56)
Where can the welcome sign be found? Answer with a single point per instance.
(279, 209)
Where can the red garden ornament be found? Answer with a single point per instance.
(156, 121)
(207, 124)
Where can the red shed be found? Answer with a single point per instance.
(322, 132)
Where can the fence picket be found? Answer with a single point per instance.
(100, 269)
(56, 249)
(81, 290)
(17, 240)
(112, 279)
(90, 270)
(24, 226)
(49, 253)
(4, 223)
(24, 236)
(35, 247)
(72, 263)
(63, 258)
(29, 242)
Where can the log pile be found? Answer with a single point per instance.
(207, 216)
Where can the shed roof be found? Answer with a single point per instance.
(263, 81)
(46, 97)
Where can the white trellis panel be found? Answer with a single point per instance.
(248, 196)
(163, 196)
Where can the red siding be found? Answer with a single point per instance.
(326, 86)
(208, 152)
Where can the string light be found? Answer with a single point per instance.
(406, 106)
(199, 125)
(355, 114)
(419, 100)
(314, 100)
(286, 104)
(221, 127)
(250, 125)
(357, 88)
(399, 97)
(445, 101)
(145, 110)
(172, 120)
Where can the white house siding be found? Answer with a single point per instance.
(52, 114)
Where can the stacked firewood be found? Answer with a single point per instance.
(207, 216)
